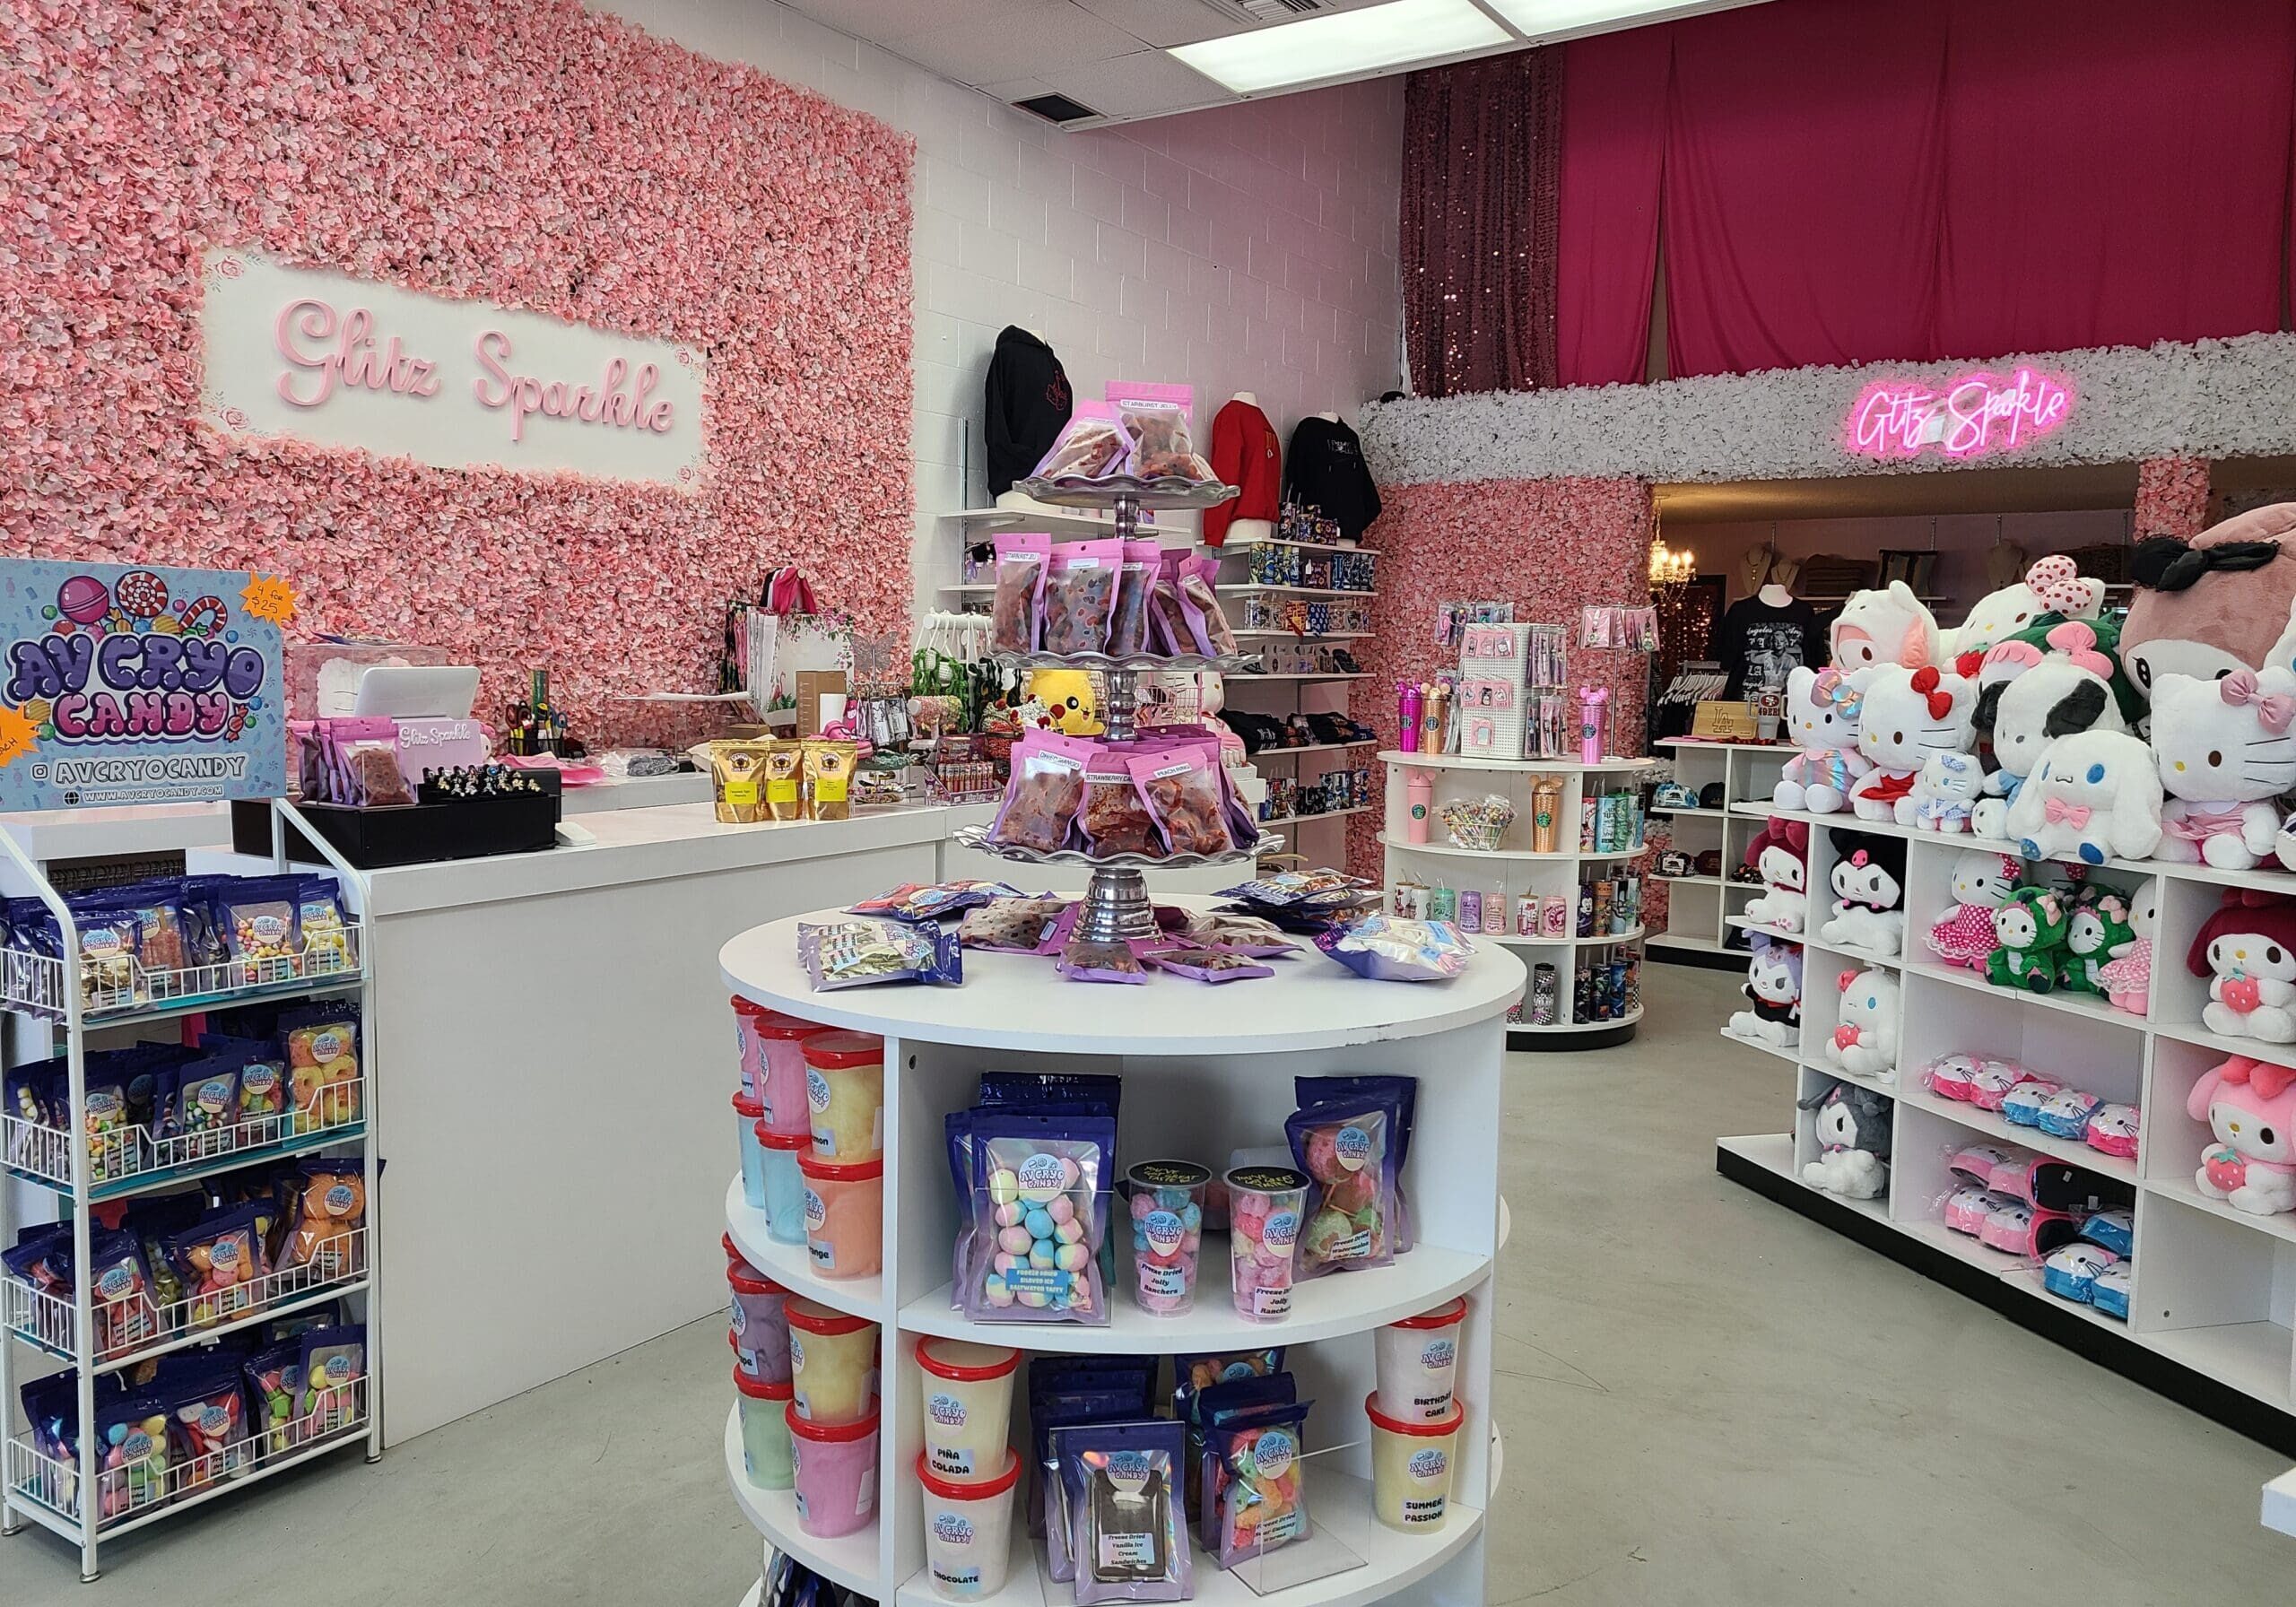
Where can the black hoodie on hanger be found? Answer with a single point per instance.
(1323, 469)
(1028, 401)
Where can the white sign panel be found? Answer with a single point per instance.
(322, 357)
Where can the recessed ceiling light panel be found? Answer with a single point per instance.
(1345, 43)
(1539, 19)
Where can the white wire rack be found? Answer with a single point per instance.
(130, 1159)
(131, 1491)
(114, 983)
(79, 992)
(131, 1325)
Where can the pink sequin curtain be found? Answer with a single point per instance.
(1482, 163)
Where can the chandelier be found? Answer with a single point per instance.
(1670, 571)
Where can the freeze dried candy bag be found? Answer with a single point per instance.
(1387, 948)
(1117, 819)
(1090, 447)
(1039, 1216)
(1128, 626)
(1159, 444)
(1182, 788)
(1168, 630)
(1079, 596)
(1119, 1501)
(1200, 606)
(858, 951)
(1010, 925)
(1023, 559)
(1087, 961)
(923, 902)
(1202, 963)
(1254, 1499)
(1045, 793)
(1346, 1149)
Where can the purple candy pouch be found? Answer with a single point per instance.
(1040, 1218)
(1404, 1091)
(1083, 961)
(1203, 962)
(1120, 1490)
(1347, 1149)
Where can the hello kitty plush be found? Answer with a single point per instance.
(2099, 926)
(2029, 694)
(1781, 854)
(2031, 929)
(1853, 1131)
(1907, 715)
(1774, 984)
(2248, 950)
(1982, 883)
(1946, 796)
(2096, 794)
(2052, 586)
(2226, 756)
(1869, 887)
(1822, 713)
(1866, 1040)
(2127, 976)
(2250, 1105)
(1891, 626)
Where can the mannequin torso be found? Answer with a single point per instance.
(1775, 595)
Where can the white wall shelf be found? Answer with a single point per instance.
(1454, 851)
(1698, 909)
(1543, 767)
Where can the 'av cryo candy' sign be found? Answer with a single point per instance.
(139, 685)
(325, 358)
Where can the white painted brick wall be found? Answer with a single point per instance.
(1251, 247)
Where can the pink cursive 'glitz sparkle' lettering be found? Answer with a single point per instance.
(349, 360)
(605, 403)
(1975, 416)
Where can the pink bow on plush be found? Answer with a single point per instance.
(2059, 813)
(2273, 710)
(2058, 583)
(2268, 1080)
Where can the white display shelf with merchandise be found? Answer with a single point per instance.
(2215, 1287)
(1206, 1071)
(1700, 909)
(59, 1007)
(1517, 870)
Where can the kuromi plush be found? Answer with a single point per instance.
(1822, 710)
(1909, 715)
(2226, 754)
(1869, 887)
(1853, 1133)
(1865, 1040)
(1891, 626)
(1774, 984)
(2029, 694)
(2095, 796)
(2051, 587)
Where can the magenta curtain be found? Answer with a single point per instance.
(1482, 160)
(1613, 151)
(1839, 184)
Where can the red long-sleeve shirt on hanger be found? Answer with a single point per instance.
(1244, 455)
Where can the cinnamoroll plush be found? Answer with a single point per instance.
(2095, 796)
(1865, 1040)
(2226, 754)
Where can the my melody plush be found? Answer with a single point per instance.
(1909, 715)
(2217, 603)
(1865, 1039)
(2226, 756)
(2248, 950)
(2095, 796)
(2031, 927)
(1891, 626)
(1780, 851)
(2099, 928)
(2029, 694)
(1853, 1130)
(1774, 984)
(2250, 1105)
(1982, 883)
(1946, 794)
(2127, 976)
(1821, 715)
(2051, 587)
(1869, 893)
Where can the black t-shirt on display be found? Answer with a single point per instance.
(1758, 645)
(1323, 469)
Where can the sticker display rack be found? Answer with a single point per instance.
(1204, 1071)
(80, 1172)
(2213, 1306)
(1514, 871)
(1702, 909)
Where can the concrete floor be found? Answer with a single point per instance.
(1705, 1399)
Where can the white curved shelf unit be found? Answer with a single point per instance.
(1610, 766)
(1628, 1020)
(790, 1265)
(1458, 852)
(1339, 1502)
(755, 1595)
(1595, 942)
(850, 1559)
(1321, 1308)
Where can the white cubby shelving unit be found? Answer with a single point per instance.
(52, 1009)
(1699, 908)
(2212, 1308)
(1513, 869)
(1206, 1071)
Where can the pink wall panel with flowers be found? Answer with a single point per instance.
(1547, 546)
(524, 152)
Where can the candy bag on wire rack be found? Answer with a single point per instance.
(1128, 626)
(1023, 559)
(1079, 598)
(1046, 790)
(1182, 786)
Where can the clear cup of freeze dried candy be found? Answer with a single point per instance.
(1167, 1232)
(1264, 1207)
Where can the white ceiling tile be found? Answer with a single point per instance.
(1164, 21)
(1145, 82)
(1016, 89)
(1034, 42)
(883, 21)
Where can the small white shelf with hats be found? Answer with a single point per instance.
(1701, 905)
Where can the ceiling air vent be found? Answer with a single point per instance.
(1254, 14)
(1055, 109)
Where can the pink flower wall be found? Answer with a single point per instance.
(524, 152)
(2171, 496)
(1548, 546)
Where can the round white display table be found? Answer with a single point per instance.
(1207, 1071)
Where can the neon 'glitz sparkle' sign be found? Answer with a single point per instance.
(1975, 416)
